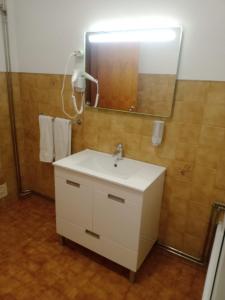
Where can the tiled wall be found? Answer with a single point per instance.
(41, 94)
(155, 93)
(7, 167)
(193, 149)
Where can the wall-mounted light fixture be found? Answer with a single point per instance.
(148, 35)
(134, 23)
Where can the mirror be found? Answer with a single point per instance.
(136, 70)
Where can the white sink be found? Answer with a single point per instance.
(106, 164)
(127, 172)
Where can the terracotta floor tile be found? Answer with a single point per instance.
(7, 297)
(8, 284)
(34, 265)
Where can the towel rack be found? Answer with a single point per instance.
(75, 121)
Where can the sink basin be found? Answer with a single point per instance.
(106, 164)
(127, 172)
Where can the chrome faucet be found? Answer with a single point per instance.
(119, 152)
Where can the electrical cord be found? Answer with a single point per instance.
(97, 95)
(74, 101)
(63, 88)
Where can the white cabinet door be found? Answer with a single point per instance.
(116, 219)
(73, 202)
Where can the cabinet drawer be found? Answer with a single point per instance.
(73, 201)
(130, 197)
(101, 245)
(116, 219)
(133, 197)
(72, 176)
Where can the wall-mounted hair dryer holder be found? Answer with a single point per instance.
(78, 53)
(78, 82)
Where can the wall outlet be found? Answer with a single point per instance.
(3, 190)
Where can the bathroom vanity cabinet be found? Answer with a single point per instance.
(115, 221)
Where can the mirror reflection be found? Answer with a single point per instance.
(136, 70)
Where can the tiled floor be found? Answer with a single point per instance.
(33, 264)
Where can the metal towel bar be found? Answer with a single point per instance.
(75, 121)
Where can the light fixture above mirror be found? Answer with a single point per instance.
(147, 36)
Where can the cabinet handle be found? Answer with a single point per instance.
(116, 198)
(73, 183)
(95, 235)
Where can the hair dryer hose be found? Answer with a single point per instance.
(74, 101)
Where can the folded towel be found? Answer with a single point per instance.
(62, 138)
(46, 138)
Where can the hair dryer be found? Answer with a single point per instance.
(78, 80)
(79, 84)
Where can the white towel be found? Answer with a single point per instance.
(62, 138)
(46, 138)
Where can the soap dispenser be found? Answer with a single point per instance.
(157, 132)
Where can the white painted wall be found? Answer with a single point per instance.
(13, 39)
(160, 57)
(47, 31)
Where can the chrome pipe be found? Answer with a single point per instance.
(217, 209)
(3, 8)
(9, 82)
(181, 254)
(3, 11)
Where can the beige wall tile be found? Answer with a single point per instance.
(177, 209)
(193, 245)
(7, 166)
(212, 136)
(192, 149)
(172, 132)
(132, 124)
(146, 145)
(216, 93)
(208, 156)
(218, 195)
(155, 93)
(181, 171)
(132, 143)
(173, 238)
(214, 114)
(185, 152)
(189, 133)
(166, 150)
(204, 178)
(48, 81)
(146, 129)
(177, 189)
(191, 112)
(220, 176)
(198, 211)
(189, 90)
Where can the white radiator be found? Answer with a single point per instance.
(214, 288)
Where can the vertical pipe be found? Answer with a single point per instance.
(20, 190)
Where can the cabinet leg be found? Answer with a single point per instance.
(132, 276)
(62, 240)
